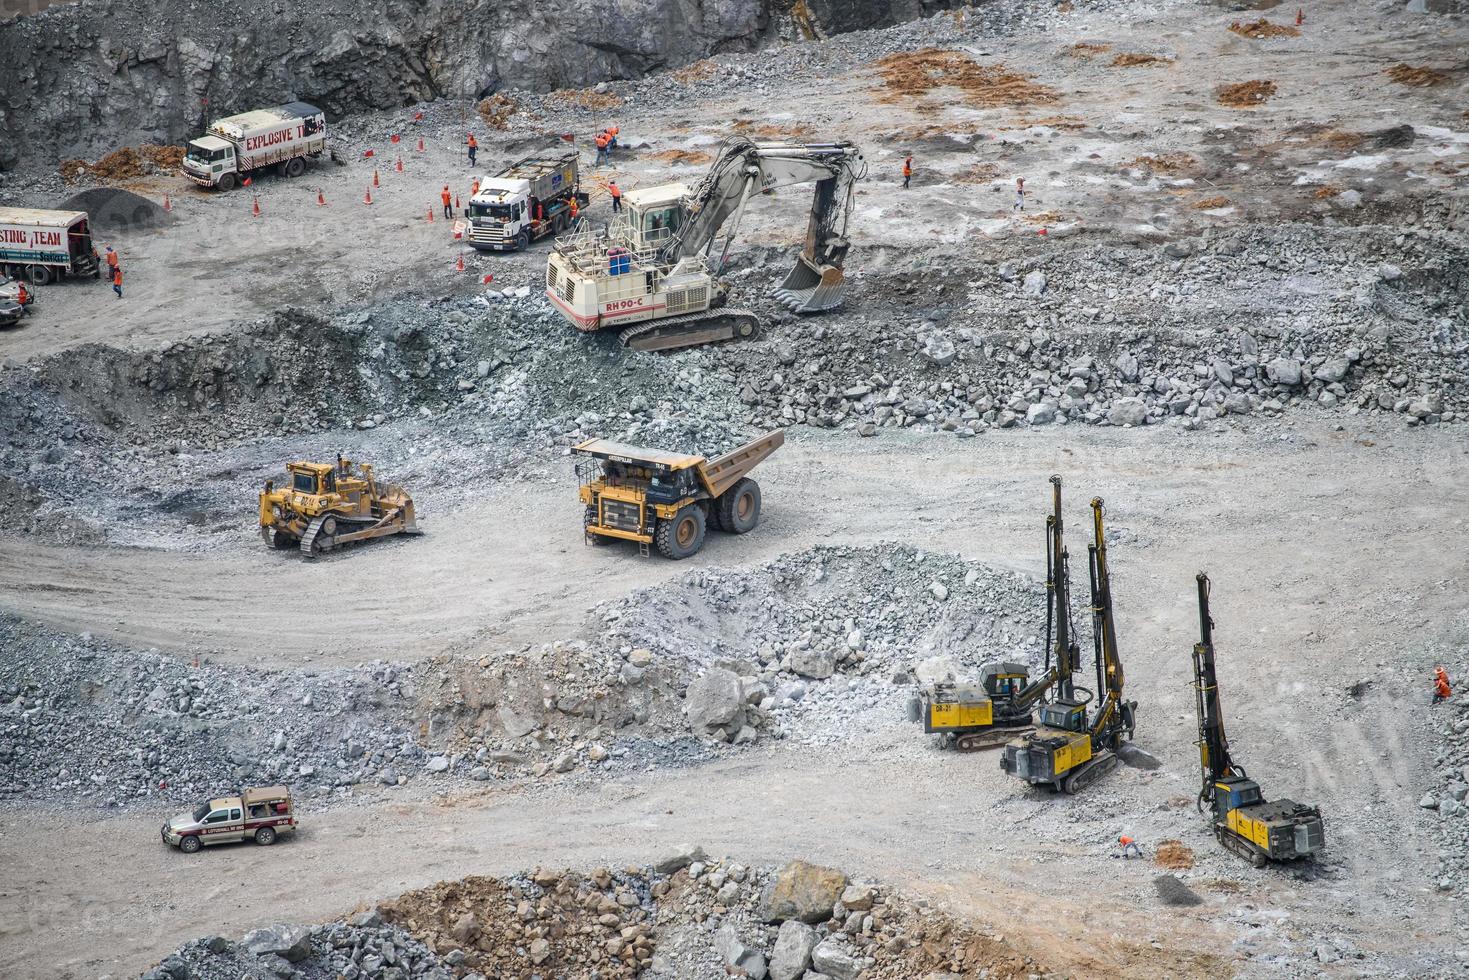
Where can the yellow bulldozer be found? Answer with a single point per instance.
(668, 500)
(324, 505)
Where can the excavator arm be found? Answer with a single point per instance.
(745, 167)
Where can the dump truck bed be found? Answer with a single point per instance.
(621, 452)
(723, 472)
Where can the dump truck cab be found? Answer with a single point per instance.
(668, 499)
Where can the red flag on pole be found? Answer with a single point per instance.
(396, 138)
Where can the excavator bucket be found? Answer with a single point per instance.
(809, 288)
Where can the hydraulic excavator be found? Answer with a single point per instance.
(1244, 821)
(653, 274)
(1067, 751)
(988, 716)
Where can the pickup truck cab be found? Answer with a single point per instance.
(261, 814)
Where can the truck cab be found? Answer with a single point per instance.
(209, 158)
(500, 214)
(260, 814)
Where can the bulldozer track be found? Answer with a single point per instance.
(666, 334)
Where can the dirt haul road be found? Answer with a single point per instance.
(1327, 568)
(1205, 500)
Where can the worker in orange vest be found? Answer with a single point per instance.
(573, 207)
(446, 197)
(117, 281)
(473, 145)
(612, 132)
(1441, 689)
(907, 170)
(474, 188)
(112, 263)
(1130, 848)
(22, 297)
(616, 193)
(601, 149)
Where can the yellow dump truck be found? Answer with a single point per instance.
(665, 499)
(324, 505)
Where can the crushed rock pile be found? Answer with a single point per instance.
(1260, 322)
(684, 916)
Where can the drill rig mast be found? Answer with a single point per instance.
(1257, 830)
(1067, 752)
(991, 714)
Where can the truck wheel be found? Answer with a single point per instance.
(265, 836)
(295, 167)
(522, 240)
(190, 845)
(226, 182)
(683, 535)
(739, 507)
(39, 275)
(589, 518)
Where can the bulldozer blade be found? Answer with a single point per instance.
(811, 289)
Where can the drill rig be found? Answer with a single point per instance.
(1067, 752)
(1257, 830)
(988, 716)
(653, 273)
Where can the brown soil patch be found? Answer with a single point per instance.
(692, 157)
(127, 163)
(122, 164)
(163, 157)
(1055, 122)
(585, 98)
(769, 131)
(72, 169)
(1263, 29)
(1419, 77)
(1134, 60)
(977, 173)
(696, 72)
(1084, 49)
(1324, 193)
(1167, 163)
(1210, 203)
(911, 74)
(1246, 94)
(1340, 139)
(497, 110)
(1174, 855)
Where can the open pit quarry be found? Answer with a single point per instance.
(1232, 302)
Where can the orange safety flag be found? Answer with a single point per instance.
(367, 153)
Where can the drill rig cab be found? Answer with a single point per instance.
(1244, 821)
(1068, 751)
(652, 272)
(987, 716)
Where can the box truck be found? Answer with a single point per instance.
(526, 201)
(250, 143)
(46, 246)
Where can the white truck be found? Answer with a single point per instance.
(527, 200)
(242, 146)
(45, 246)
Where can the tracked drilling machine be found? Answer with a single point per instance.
(1244, 821)
(1067, 751)
(991, 714)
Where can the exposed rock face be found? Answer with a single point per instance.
(78, 79)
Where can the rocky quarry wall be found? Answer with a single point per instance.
(87, 77)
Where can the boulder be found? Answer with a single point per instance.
(802, 891)
(1284, 371)
(936, 669)
(516, 724)
(466, 929)
(680, 859)
(1041, 413)
(1128, 411)
(836, 960)
(1035, 283)
(290, 942)
(816, 664)
(739, 960)
(1127, 366)
(714, 701)
(858, 898)
(1334, 370)
(792, 953)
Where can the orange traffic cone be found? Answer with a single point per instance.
(367, 198)
(167, 204)
(321, 197)
(420, 144)
(430, 215)
(399, 165)
(255, 205)
(375, 181)
(456, 202)
(1300, 16)
(459, 263)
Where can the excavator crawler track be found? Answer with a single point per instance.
(995, 738)
(692, 330)
(1089, 772)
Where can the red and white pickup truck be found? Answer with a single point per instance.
(261, 814)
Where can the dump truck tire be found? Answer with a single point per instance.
(682, 535)
(739, 507)
(589, 518)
